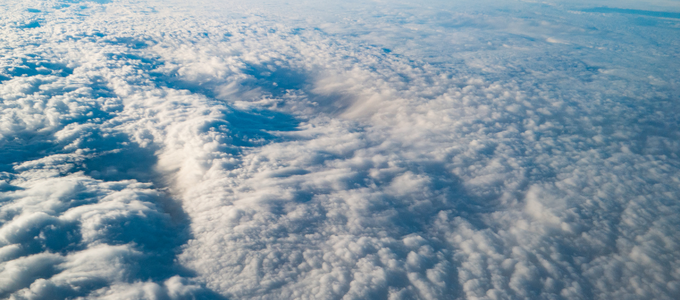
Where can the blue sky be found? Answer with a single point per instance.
(373, 150)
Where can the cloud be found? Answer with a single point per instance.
(172, 151)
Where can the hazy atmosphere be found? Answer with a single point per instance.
(262, 149)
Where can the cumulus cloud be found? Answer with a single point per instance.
(161, 150)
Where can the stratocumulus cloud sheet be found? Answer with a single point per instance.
(270, 150)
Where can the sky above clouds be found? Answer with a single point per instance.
(356, 150)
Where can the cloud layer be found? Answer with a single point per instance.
(161, 150)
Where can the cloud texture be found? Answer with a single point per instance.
(232, 150)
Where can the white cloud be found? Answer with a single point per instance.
(173, 151)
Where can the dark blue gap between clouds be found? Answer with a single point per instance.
(639, 12)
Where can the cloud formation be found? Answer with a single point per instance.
(161, 150)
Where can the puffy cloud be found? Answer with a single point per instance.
(173, 151)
